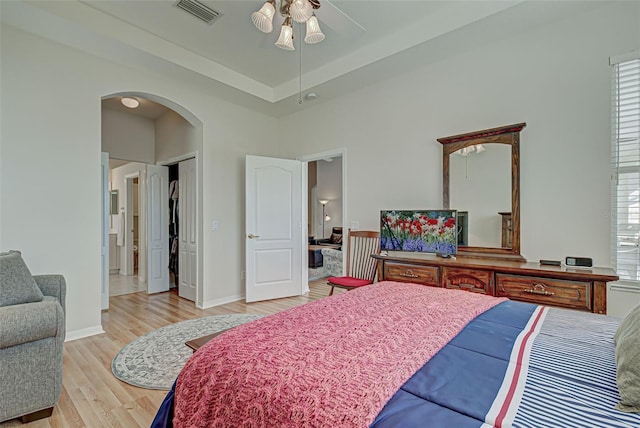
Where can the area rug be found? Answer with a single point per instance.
(154, 360)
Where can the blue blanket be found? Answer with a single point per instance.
(517, 365)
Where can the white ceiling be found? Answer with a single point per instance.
(365, 41)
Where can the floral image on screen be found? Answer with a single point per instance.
(428, 231)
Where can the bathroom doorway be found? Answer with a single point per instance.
(127, 272)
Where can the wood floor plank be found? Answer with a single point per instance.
(93, 397)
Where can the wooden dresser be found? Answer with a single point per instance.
(581, 289)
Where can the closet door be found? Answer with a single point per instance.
(187, 233)
(157, 228)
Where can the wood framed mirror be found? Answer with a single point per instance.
(481, 179)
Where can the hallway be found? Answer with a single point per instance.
(124, 284)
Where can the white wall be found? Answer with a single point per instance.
(555, 78)
(128, 137)
(329, 187)
(50, 166)
(175, 137)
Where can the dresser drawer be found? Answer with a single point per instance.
(476, 280)
(427, 275)
(556, 292)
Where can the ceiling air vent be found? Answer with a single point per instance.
(199, 10)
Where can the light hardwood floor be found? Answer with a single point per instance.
(93, 397)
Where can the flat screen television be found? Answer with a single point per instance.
(424, 231)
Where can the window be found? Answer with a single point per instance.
(625, 162)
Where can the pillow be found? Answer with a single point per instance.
(16, 282)
(336, 238)
(627, 339)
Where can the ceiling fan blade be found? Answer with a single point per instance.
(334, 18)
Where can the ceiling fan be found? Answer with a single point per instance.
(304, 11)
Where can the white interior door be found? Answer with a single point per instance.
(273, 223)
(157, 228)
(104, 247)
(187, 230)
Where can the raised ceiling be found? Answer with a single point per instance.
(365, 41)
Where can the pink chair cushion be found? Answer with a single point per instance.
(348, 281)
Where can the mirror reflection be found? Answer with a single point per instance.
(481, 178)
(480, 189)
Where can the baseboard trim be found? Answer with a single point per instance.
(84, 332)
(217, 302)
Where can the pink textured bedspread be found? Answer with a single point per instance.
(334, 362)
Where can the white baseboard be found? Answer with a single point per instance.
(84, 332)
(218, 302)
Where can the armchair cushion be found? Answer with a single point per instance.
(17, 285)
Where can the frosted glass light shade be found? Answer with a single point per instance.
(300, 10)
(130, 102)
(314, 35)
(285, 41)
(263, 19)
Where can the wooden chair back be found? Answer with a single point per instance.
(362, 244)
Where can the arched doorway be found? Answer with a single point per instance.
(155, 134)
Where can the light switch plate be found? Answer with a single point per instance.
(215, 225)
(355, 224)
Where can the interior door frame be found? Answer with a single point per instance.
(199, 219)
(106, 214)
(342, 152)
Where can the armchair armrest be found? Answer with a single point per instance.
(53, 285)
(29, 322)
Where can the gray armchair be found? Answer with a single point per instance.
(31, 340)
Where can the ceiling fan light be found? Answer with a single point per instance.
(314, 34)
(263, 19)
(300, 10)
(285, 41)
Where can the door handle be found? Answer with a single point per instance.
(251, 236)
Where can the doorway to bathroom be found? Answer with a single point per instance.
(125, 240)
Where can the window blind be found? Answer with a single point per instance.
(626, 169)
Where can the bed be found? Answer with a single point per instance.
(405, 355)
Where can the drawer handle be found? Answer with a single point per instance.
(409, 274)
(539, 289)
